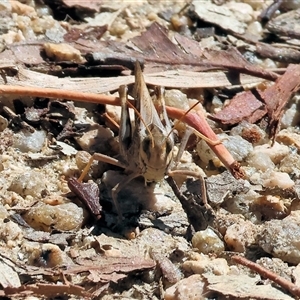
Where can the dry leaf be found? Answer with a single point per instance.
(8, 277)
(232, 59)
(48, 290)
(110, 265)
(246, 106)
(244, 286)
(218, 15)
(175, 79)
(88, 193)
(160, 53)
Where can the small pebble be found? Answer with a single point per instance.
(280, 238)
(63, 52)
(240, 204)
(28, 183)
(291, 165)
(200, 264)
(10, 231)
(242, 11)
(3, 212)
(96, 139)
(256, 5)
(207, 241)
(3, 123)
(176, 98)
(23, 9)
(237, 146)
(152, 16)
(250, 132)
(261, 161)
(190, 288)
(56, 34)
(64, 217)
(274, 179)
(179, 22)
(217, 104)
(290, 117)
(268, 63)
(43, 11)
(255, 28)
(269, 207)
(5, 5)
(277, 266)
(240, 236)
(289, 138)
(82, 158)
(290, 4)
(277, 152)
(29, 142)
(118, 28)
(40, 25)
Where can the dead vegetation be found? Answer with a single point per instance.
(231, 76)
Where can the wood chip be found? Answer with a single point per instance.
(277, 95)
(241, 107)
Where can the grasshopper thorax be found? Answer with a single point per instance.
(156, 153)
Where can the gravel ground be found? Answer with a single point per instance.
(53, 248)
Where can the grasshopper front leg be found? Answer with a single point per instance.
(103, 158)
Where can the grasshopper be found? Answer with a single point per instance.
(146, 149)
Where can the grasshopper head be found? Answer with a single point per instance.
(156, 154)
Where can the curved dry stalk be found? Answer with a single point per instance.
(199, 123)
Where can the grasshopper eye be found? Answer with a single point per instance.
(146, 145)
(169, 146)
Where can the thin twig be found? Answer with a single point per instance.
(269, 12)
(286, 284)
(58, 93)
